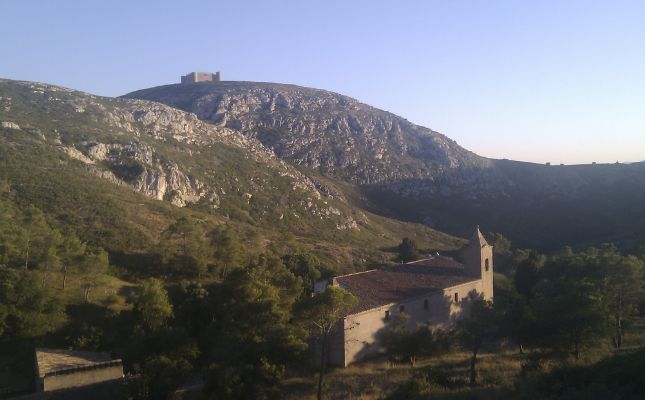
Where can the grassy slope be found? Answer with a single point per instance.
(499, 375)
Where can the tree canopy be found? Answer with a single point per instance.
(151, 305)
(408, 250)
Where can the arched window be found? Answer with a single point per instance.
(486, 265)
(387, 316)
(456, 297)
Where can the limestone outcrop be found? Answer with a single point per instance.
(325, 131)
(168, 154)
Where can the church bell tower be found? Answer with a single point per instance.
(478, 262)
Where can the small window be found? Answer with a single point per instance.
(487, 266)
(426, 306)
(387, 315)
(401, 308)
(456, 297)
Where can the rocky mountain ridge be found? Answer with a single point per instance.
(333, 134)
(410, 172)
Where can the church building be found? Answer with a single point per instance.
(431, 291)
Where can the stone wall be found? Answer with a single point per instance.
(479, 263)
(82, 376)
(361, 330)
(195, 77)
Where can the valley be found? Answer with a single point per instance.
(180, 230)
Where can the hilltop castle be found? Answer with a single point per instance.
(433, 291)
(195, 77)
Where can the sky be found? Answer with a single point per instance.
(540, 81)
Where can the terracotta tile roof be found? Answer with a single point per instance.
(380, 287)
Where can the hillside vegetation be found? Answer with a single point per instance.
(119, 172)
(410, 172)
(187, 245)
(103, 200)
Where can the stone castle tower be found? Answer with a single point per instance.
(478, 262)
(195, 77)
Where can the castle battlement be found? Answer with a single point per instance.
(195, 77)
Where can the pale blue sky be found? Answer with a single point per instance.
(558, 81)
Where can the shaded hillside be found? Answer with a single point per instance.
(120, 171)
(536, 205)
(410, 172)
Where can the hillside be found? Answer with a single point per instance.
(410, 172)
(324, 131)
(122, 222)
(538, 206)
(120, 171)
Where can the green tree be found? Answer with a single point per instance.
(27, 310)
(162, 360)
(51, 261)
(155, 344)
(25, 236)
(11, 235)
(502, 245)
(516, 315)
(322, 313)
(401, 343)
(228, 249)
(408, 250)
(481, 323)
(192, 308)
(92, 269)
(527, 274)
(184, 247)
(71, 253)
(568, 307)
(37, 236)
(251, 338)
(623, 288)
(308, 267)
(151, 305)
(162, 374)
(625, 291)
(503, 252)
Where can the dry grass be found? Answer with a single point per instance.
(375, 379)
(107, 290)
(635, 335)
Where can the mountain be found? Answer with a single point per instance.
(324, 131)
(305, 166)
(120, 171)
(405, 171)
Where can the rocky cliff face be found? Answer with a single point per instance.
(167, 154)
(321, 130)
